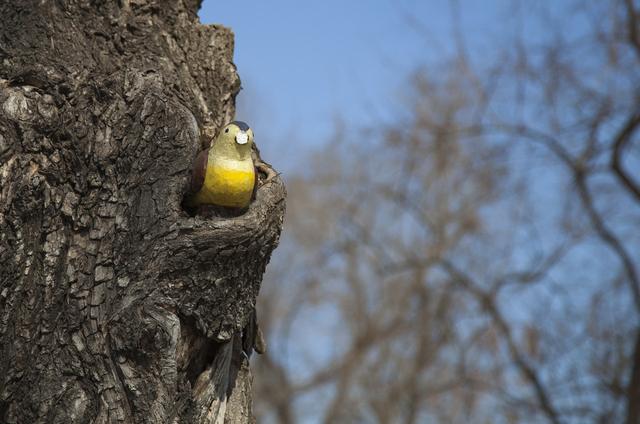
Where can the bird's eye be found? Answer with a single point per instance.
(226, 130)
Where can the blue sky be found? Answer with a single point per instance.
(304, 64)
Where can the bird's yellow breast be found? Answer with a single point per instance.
(227, 183)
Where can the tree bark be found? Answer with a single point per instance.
(115, 304)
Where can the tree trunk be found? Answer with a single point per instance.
(115, 304)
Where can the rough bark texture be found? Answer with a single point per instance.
(115, 304)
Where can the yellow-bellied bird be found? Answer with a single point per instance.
(225, 175)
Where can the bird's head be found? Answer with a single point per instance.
(235, 139)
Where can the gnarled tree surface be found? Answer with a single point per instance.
(115, 304)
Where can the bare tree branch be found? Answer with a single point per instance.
(621, 141)
(607, 236)
(632, 26)
(487, 302)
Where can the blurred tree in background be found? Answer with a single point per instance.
(478, 259)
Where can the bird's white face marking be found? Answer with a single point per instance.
(242, 137)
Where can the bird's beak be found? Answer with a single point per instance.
(242, 137)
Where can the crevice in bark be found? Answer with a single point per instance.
(196, 353)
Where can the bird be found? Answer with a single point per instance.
(225, 174)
